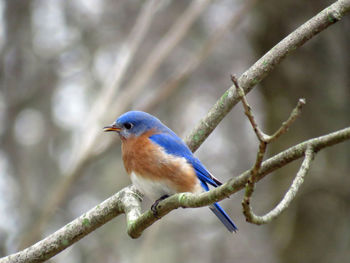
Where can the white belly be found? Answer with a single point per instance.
(152, 190)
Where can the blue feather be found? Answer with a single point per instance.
(172, 144)
(223, 217)
(142, 122)
(220, 213)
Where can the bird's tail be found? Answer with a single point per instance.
(224, 218)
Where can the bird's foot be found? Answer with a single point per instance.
(155, 204)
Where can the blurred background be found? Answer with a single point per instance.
(68, 68)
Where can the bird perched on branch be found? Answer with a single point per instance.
(159, 163)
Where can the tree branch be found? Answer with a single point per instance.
(264, 140)
(80, 227)
(236, 184)
(264, 66)
(128, 201)
(67, 235)
(247, 81)
(288, 197)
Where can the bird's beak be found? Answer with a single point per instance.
(112, 127)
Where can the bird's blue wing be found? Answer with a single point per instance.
(203, 174)
(174, 145)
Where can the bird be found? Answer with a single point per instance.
(159, 163)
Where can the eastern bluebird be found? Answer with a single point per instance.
(159, 163)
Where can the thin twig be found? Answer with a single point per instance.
(248, 111)
(288, 197)
(285, 125)
(264, 140)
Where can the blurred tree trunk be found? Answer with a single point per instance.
(27, 81)
(319, 72)
(17, 16)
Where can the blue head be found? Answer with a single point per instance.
(135, 123)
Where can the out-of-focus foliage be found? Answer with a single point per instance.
(55, 56)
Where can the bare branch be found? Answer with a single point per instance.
(128, 201)
(264, 66)
(247, 81)
(264, 140)
(288, 197)
(80, 227)
(248, 111)
(285, 125)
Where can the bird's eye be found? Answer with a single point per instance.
(128, 125)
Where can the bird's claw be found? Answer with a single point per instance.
(155, 205)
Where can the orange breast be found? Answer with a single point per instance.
(142, 156)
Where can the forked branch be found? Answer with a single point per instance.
(128, 201)
(264, 140)
(288, 197)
